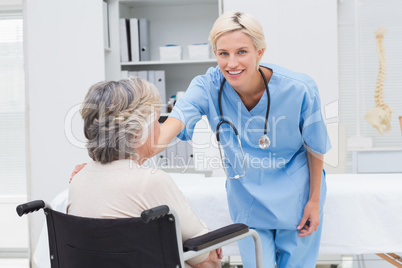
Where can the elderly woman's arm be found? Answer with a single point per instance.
(213, 260)
(162, 190)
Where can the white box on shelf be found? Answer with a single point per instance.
(170, 53)
(198, 51)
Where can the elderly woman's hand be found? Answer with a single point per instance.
(76, 170)
(213, 260)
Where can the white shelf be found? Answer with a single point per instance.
(150, 3)
(374, 149)
(141, 63)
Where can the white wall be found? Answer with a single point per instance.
(11, 3)
(14, 231)
(63, 56)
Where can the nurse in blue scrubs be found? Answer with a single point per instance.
(279, 191)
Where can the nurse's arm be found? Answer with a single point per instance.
(169, 129)
(312, 209)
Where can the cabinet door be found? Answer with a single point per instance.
(301, 36)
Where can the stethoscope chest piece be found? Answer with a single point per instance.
(264, 142)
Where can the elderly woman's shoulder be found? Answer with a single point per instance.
(159, 180)
(155, 174)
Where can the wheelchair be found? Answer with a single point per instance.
(150, 241)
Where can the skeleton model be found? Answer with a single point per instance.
(380, 116)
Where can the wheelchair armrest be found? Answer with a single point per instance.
(214, 237)
(154, 213)
(30, 207)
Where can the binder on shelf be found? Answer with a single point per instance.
(124, 41)
(189, 153)
(181, 151)
(161, 86)
(124, 74)
(151, 76)
(133, 73)
(106, 35)
(145, 50)
(143, 75)
(158, 160)
(161, 160)
(134, 40)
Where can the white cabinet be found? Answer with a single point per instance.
(377, 160)
(181, 22)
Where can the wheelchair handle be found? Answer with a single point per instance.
(154, 213)
(30, 207)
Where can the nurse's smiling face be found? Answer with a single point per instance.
(238, 58)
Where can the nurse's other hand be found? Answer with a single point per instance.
(76, 170)
(311, 213)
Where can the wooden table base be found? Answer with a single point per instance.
(391, 258)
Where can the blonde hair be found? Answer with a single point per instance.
(116, 117)
(238, 21)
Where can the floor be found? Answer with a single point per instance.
(370, 261)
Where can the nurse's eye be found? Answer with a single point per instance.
(223, 54)
(242, 52)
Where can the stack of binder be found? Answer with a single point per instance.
(134, 40)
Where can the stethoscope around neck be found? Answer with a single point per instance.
(263, 142)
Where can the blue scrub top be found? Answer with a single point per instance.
(276, 186)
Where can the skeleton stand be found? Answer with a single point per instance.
(380, 116)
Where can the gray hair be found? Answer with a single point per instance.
(116, 117)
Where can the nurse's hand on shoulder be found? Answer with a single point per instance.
(76, 170)
(311, 219)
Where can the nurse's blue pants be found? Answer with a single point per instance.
(283, 247)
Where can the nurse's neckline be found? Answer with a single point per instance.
(268, 72)
(250, 103)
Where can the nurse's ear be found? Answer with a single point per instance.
(260, 53)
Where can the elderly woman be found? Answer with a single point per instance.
(120, 123)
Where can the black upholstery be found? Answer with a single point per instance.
(77, 242)
(214, 237)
